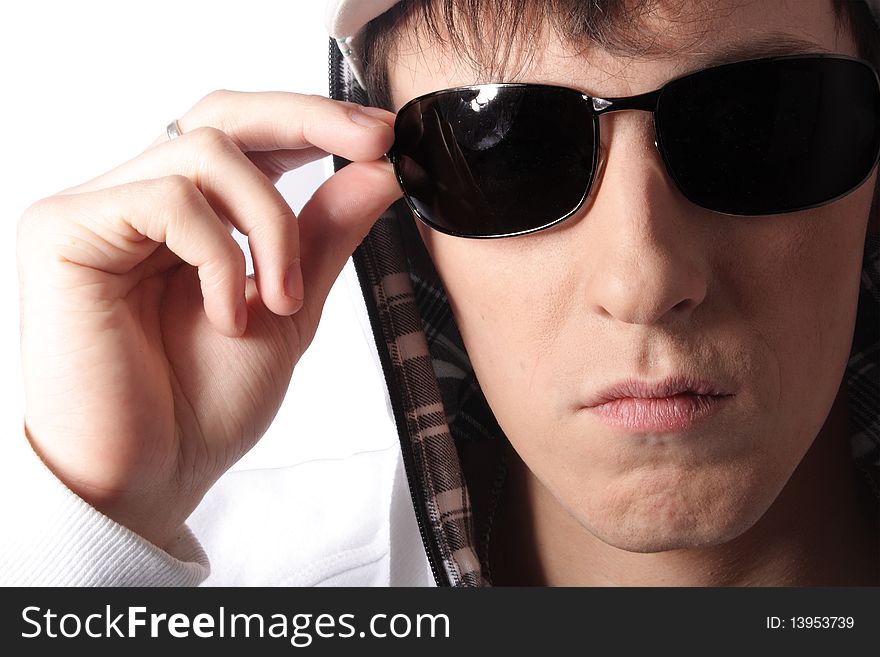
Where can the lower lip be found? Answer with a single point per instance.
(676, 413)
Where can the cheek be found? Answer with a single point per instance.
(796, 287)
(509, 305)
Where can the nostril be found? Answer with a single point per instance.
(684, 304)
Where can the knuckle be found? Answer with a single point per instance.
(211, 139)
(225, 267)
(313, 108)
(181, 202)
(180, 190)
(35, 216)
(274, 225)
(216, 98)
(320, 107)
(33, 211)
(313, 100)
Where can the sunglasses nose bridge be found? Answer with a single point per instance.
(646, 102)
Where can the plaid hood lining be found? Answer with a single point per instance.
(439, 408)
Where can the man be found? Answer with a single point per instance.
(665, 361)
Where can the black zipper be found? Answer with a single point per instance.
(338, 92)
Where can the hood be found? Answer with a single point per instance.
(450, 440)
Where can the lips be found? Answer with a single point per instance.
(673, 404)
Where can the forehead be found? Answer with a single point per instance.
(678, 37)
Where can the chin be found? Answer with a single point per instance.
(676, 518)
(652, 538)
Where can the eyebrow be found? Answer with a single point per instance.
(772, 44)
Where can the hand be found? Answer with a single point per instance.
(151, 363)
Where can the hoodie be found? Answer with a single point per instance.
(410, 509)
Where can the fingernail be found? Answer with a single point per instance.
(293, 281)
(241, 316)
(369, 117)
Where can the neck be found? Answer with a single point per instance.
(817, 533)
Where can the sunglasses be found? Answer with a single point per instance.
(757, 137)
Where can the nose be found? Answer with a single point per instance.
(649, 260)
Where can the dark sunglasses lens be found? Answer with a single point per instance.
(495, 160)
(774, 136)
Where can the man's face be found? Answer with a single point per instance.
(641, 283)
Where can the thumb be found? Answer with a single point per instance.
(336, 219)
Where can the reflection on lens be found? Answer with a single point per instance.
(495, 159)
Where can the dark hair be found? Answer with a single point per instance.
(616, 26)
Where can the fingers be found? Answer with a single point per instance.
(233, 185)
(335, 221)
(239, 192)
(278, 120)
(275, 163)
(233, 148)
(273, 122)
(108, 235)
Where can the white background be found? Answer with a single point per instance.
(87, 85)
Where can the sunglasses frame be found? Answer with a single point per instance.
(597, 106)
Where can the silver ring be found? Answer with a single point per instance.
(173, 130)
